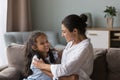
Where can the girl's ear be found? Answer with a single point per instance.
(34, 48)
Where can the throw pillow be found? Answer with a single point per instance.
(100, 66)
(16, 56)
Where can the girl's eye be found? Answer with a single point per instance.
(47, 41)
(41, 43)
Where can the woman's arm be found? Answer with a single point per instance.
(45, 68)
(71, 77)
(72, 65)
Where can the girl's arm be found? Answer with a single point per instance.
(47, 73)
(71, 77)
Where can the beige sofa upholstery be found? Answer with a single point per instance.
(16, 63)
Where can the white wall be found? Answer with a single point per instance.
(3, 11)
(47, 14)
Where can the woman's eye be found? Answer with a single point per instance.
(63, 31)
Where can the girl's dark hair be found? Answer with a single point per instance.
(74, 21)
(30, 52)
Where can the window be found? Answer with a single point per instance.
(3, 15)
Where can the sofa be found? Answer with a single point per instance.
(106, 64)
(106, 61)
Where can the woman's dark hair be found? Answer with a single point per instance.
(74, 21)
(30, 52)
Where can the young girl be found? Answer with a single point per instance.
(38, 47)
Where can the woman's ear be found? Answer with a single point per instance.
(75, 30)
(34, 48)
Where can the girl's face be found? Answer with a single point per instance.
(67, 34)
(42, 44)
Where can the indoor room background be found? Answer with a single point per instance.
(48, 14)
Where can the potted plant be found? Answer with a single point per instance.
(110, 12)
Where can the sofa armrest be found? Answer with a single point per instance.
(3, 67)
(10, 73)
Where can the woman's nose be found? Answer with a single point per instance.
(62, 35)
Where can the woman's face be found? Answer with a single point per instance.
(42, 44)
(66, 33)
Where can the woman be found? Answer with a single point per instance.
(77, 57)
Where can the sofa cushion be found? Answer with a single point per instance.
(16, 56)
(10, 73)
(100, 67)
(113, 59)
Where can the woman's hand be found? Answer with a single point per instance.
(39, 63)
(42, 66)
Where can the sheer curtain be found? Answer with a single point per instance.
(3, 14)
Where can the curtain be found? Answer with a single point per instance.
(18, 15)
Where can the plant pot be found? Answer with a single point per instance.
(110, 22)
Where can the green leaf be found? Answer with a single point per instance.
(110, 11)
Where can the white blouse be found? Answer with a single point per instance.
(76, 59)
